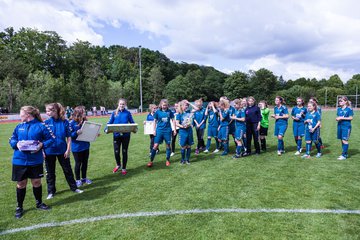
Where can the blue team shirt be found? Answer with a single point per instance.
(61, 129)
(163, 120)
(213, 118)
(32, 130)
(299, 113)
(122, 117)
(315, 117)
(185, 117)
(226, 115)
(199, 116)
(281, 111)
(77, 146)
(232, 112)
(240, 114)
(346, 112)
(150, 117)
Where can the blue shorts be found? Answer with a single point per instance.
(312, 136)
(160, 136)
(239, 133)
(232, 128)
(212, 132)
(223, 133)
(343, 132)
(298, 129)
(186, 138)
(280, 130)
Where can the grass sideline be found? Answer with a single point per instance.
(210, 182)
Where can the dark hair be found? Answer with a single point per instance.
(77, 115)
(302, 100)
(58, 108)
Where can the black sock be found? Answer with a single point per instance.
(263, 144)
(38, 194)
(20, 196)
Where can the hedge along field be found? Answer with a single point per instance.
(259, 182)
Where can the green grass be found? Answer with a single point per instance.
(211, 181)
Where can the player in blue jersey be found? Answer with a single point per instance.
(121, 140)
(212, 115)
(223, 133)
(199, 124)
(184, 120)
(150, 117)
(312, 129)
(298, 114)
(281, 116)
(162, 131)
(29, 164)
(344, 117)
(80, 149)
(314, 100)
(240, 127)
(173, 136)
(60, 150)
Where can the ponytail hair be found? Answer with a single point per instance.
(282, 101)
(302, 101)
(346, 100)
(58, 108)
(265, 103)
(33, 111)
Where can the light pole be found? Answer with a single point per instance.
(141, 103)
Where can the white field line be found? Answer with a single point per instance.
(177, 212)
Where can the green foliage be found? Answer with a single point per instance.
(237, 85)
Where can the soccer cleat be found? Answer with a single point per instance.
(123, 172)
(116, 169)
(216, 151)
(150, 164)
(79, 183)
(50, 196)
(236, 156)
(167, 163)
(42, 206)
(341, 158)
(187, 162)
(318, 155)
(196, 151)
(224, 154)
(279, 153)
(182, 162)
(19, 212)
(206, 151)
(172, 154)
(305, 156)
(78, 191)
(157, 151)
(86, 180)
(297, 153)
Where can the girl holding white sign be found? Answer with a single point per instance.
(121, 116)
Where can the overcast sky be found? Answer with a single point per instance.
(304, 38)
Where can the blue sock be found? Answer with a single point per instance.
(188, 152)
(168, 152)
(238, 150)
(279, 145)
(299, 143)
(308, 148)
(318, 146)
(282, 145)
(226, 147)
(217, 143)
(153, 153)
(182, 154)
(208, 143)
(345, 149)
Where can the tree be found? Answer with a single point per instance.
(156, 84)
(236, 85)
(178, 89)
(262, 84)
(335, 81)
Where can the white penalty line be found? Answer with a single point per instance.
(177, 212)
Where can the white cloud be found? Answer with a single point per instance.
(44, 16)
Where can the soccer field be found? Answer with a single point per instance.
(257, 197)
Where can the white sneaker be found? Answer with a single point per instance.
(341, 158)
(78, 183)
(305, 156)
(297, 153)
(216, 150)
(87, 181)
(78, 191)
(172, 154)
(318, 155)
(279, 153)
(206, 151)
(50, 196)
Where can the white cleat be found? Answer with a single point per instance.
(216, 151)
(297, 153)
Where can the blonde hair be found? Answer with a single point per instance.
(58, 108)
(225, 103)
(33, 111)
(162, 101)
(118, 109)
(181, 104)
(237, 101)
(199, 101)
(346, 100)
